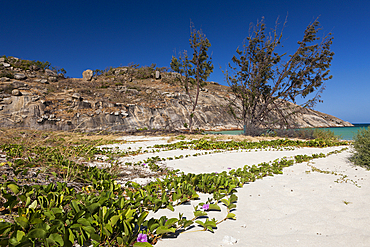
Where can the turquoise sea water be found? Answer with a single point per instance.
(346, 133)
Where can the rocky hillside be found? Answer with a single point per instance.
(33, 95)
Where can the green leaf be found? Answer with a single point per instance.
(50, 242)
(57, 210)
(214, 207)
(199, 213)
(13, 241)
(76, 226)
(20, 235)
(142, 217)
(170, 207)
(107, 230)
(233, 198)
(33, 205)
(163, 229)
(200, 222)
(127, 228)
(94, 236)
(184, 199)
(22, 221)
(57, 238)
(37, 233)
(79, 214)
(4, 226)
(153, 227)
(210, 223)
(119, 240)
(231, 216)
(43, 226)
(28, 201)
(176, 196)
(225, 201)
(71, 237)
(89, 229)
(75, 206)
(188, 223)
(83, 221)
(68, 238)
(194, 196)
(49, 214)
(104, 211)
(114, 219)
(170, 222)
(209, 228)
(35, 221)
(93, 207)
(14, 188)
(142, 244)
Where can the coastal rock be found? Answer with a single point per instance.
(18, 84)
(132, 91)
(16, 92)
(77, 96)
(20, 76)
(4, 79)
(87, 75)
(7, 101)
(121, 101)
(52, 79)
(49, 72)
(209, 115)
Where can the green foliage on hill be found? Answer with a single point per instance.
(24, 64)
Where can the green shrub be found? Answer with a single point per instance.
(144, 72)
(6, 74)
(361, 144)
(307, 133)
(324, 134)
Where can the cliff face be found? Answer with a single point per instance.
(43, 113)
(33, 112)
(119, 101)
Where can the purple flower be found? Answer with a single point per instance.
(144, 164)
(229, 168)
(205, 206)
(142, 238)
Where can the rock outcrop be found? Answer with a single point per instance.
(27, 109)
(87, 75)
(119, 100)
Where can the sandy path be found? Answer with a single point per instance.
(293, 209)
(297, 208)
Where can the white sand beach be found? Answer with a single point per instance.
(300, 207)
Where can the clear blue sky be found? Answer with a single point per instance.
(78, 35)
